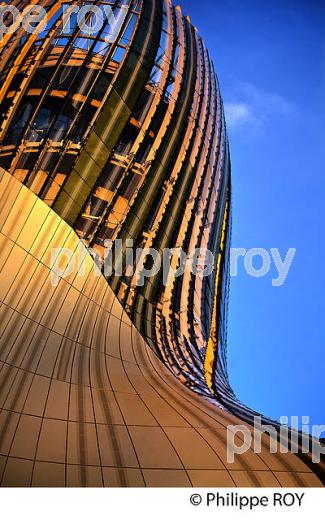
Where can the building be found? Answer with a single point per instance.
(117, 135)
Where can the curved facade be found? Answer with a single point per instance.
(127, 140)
(84, 399)
(117, 136)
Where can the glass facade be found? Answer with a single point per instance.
(124, 137)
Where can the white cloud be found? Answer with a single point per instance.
(237, 114)
(254, 107)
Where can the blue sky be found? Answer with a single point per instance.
(270, 60)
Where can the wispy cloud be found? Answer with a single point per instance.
(252, 107)
(237, 114)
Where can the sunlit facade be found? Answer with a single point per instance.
(117, 134)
